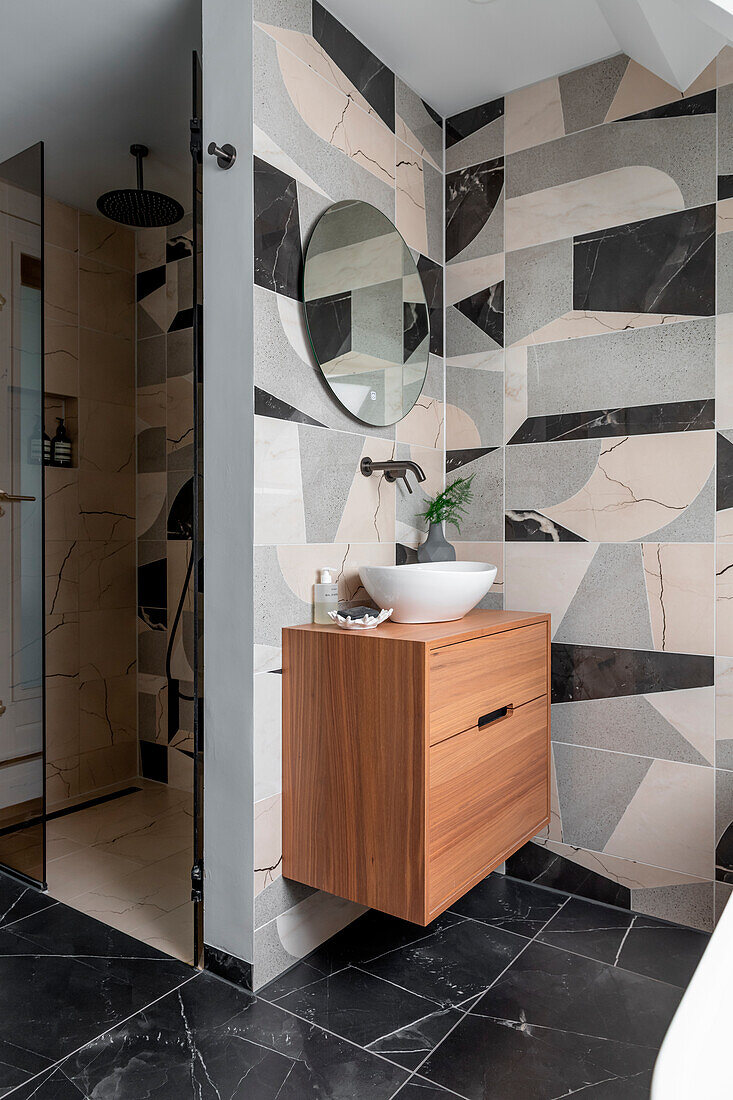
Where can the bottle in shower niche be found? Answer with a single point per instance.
(61, 446)
(39, 446)
(326, 598)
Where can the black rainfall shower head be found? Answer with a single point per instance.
(137, 207)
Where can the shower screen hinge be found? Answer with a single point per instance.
(197, 881)
(197, 147)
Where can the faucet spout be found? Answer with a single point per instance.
(393, 470)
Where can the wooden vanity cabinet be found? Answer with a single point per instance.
(415, 757)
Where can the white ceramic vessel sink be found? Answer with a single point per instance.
(436, 592)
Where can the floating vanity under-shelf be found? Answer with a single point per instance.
(415, 757)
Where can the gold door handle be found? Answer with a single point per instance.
(12, 498)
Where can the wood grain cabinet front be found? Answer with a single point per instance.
(415, 757)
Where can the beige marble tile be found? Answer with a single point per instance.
(106, 437)
(481, 360)
(106, 367)
(640, 484)
(62, 779)
(466, 278)
(107, 505)
(61, 297)
(61, 357)
(628, 872)
(104, 767)
(107, 577)
(424, 424)
(171, 933)
(149, 248)
(180, 769)
(163, 837)
(369, 511)
(268, 841)
(59, 847)
(62, 576)
(724, 600)
(515, 391)
(410, 203)
(151, 497)
(542, 577)
(595, 202)
(268, 150)
(579, 322)
(724, 216)
(692, 713)
(84, 870)
(404, 133)
(179, 406)
(640, 90)
(62, 644)
(106, 648)
(299, 565)
(105, 298)
(461, 430)
(151, 406)
(490, 552)
(135, 899)
(102, 239)
(107, 712)
(533, 115)
(681, 590)
(338, 119)
(61, 225)
(62, 716)
(669, 821)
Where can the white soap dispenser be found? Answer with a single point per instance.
(326, 598)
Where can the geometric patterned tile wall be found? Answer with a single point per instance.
(164, 274)
(331, 122)
(581, 257)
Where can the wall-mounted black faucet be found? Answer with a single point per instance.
(395, 469)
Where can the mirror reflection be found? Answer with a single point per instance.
(366, 312)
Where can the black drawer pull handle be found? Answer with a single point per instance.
(496, 715)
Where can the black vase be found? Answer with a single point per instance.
(436, 547)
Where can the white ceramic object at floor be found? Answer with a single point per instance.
(694, 1060)
(430, 592)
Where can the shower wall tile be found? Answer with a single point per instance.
(105, 298)
(104, 368)
(101, 239)
(418, 125)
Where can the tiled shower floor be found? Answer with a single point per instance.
(519, 993)
(127, 862)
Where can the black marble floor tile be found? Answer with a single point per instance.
(18, 900)
(597, 931)
(663, 951)
(632, 941)
(54, 1085)
(17, 1063)
(493, 1059)
(451, 965)
(360, 942)
(511, 904)
(550, 988)
(358, 1006)
(209, 1041)
(419, 1089)
(411, 1045)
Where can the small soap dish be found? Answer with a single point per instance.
(366, 622)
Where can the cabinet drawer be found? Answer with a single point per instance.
(471, 679)
(488, 788)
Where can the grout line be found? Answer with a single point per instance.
(95, 1038)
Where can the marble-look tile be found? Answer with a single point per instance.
(410, 525)
(502, 902)
(641, 90)
(588, 204)
(18, 901)
(596, 672)
(533, 115)
(473, 210)
(474, 135)
(106, 437)
(473, 413)
(106, 368)
(61, 357)
(179, 413)
(62, 576)
(278, 255)
(466, 278)
(609, 606)
(724, 375)
(724, 713)
(452, 964)
(640, 483)
(61, 286)
(485, 520)
(644, 367)
(268, 850)
(676, 416)
(583, 322)
(423, 424)
(107, 712)
(662, 264)
(105, 298)
(419, 202)
(671, 725)
(370, 75)
(680, 587)
(279, 513)
(431, 276)
(493, 554)
(61, 225)
(680, 148)
(538, 289)
(268, 735)
(108, 765)
(105, 651)
(101, 239)
(418, 125)
(135, 899)
(107, 504)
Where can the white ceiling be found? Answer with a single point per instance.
(90, 77)
(458, 53)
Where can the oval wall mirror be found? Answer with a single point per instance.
(366, 312)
